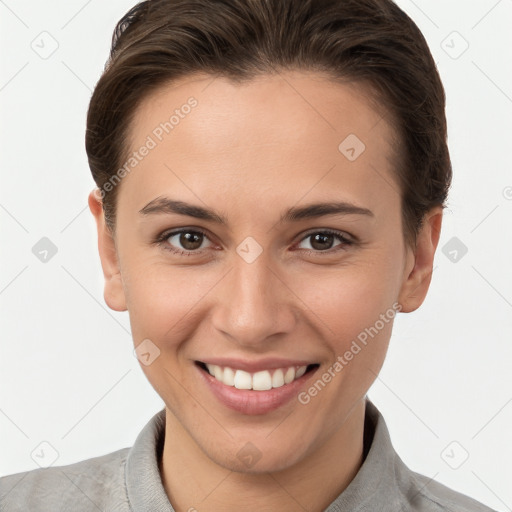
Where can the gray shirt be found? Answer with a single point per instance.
(128, 480)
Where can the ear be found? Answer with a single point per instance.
(114, 290)
(418, 271)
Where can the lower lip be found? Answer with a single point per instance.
(250, 402)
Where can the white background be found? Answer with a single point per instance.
(68, 373)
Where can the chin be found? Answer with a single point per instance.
(248, 459)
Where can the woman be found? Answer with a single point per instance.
(271, 180)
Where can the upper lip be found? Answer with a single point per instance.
(255, 366)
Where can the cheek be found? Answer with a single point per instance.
(161, 300)
(351, 298)
(354, 307)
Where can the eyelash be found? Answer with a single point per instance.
(161, 240)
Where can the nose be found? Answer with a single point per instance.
(254, 304)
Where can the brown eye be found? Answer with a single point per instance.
(184, 241)
(322, 241)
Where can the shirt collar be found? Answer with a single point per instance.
(373, 488)
(143, 482)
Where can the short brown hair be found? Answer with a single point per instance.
(370, 42)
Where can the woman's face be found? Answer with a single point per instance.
(275, 285)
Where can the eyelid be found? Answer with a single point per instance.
(337, 232)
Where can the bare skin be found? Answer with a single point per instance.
(250, 152)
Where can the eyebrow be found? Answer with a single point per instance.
(166, 205)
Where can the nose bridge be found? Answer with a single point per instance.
(253, 305)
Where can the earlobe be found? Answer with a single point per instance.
(114, 291)
(417, 279)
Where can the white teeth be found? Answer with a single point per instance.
(229, 377)
(289, 375)
(258, 381)
(243, 380)
(262, 381)
(218, 373)
(300, 371)
(278, 379)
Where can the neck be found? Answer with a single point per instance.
(192, 480)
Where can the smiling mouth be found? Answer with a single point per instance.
(257, 381)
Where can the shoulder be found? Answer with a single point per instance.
(425, 494)
(92, 484)
(398, 488)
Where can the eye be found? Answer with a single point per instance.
(322, 241)
(189, 239)
(189, 242)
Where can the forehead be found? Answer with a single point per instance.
(290, 134)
